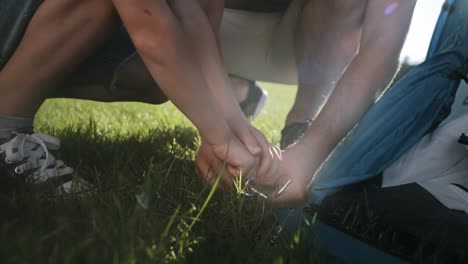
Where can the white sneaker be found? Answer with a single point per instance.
(28, 157)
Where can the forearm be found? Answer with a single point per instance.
(163, 46)
(203, 35)
(371, 70)
(214, 11)
(352, 97)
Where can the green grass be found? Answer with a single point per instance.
(127, 149)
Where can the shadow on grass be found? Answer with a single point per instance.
(403, 220)
(109, 225)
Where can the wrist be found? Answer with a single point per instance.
(307, 160)
(215, 132)
(319, 140)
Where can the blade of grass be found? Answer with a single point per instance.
(208, 198)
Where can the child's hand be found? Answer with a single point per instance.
(250, 154)
(233, 155)
(268, 155)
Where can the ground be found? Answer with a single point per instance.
(127, 149)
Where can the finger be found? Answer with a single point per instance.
(215, 170)
(261, 139)
(207, 165)
(265, 163)
(233, 152)
(204, 170)
(265, 156)
(249, 139)
(234, 171)
(230, 176)
(202, 162)
(272, 173)
(239, 157)
(198, 170)
(226, 180)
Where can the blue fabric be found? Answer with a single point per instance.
(440, 27)
(402, 116)
(315, 234)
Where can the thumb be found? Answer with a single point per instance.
(235, 154)
(250, 141)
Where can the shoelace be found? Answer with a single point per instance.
(32, 148)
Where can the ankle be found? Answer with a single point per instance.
(10, 124)
(19, 109)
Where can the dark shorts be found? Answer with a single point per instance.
(258, 5)
(99, 69)
(102, 67)
(14, 18)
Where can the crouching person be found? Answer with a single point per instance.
(180, 55)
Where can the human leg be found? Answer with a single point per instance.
(116, 72)
(60, 35)
(257, 43)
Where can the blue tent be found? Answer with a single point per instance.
(414, 106)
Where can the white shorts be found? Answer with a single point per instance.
(260, 46)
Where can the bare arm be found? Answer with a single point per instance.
(371, 70)
(167, 53)
(202, 26)
(165, 50)
(204, 45)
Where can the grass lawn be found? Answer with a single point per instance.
(127, 149)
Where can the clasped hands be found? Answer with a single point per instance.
(266, 170)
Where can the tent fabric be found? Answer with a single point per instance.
(401, 117)
(438, 163)
(342, 246)
(441, 27)
(413, 223)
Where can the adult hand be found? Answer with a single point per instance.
(299, 167)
